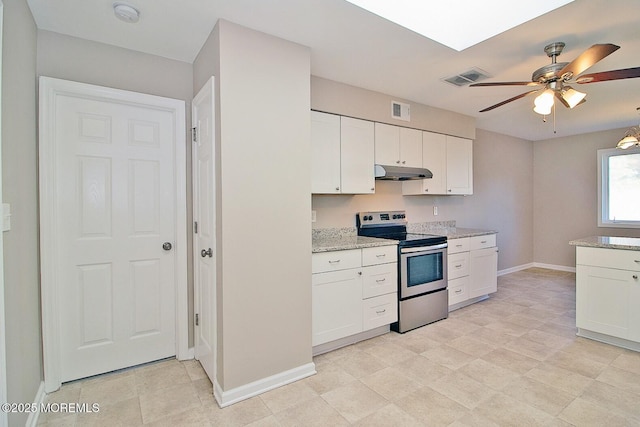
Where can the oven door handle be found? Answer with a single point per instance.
(423, 249)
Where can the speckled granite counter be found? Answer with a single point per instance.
(447, 228)
(340, 239)
(607, 242)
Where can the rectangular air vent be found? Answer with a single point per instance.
(474, 75)
(400, 111)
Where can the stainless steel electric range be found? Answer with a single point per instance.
(422, 268)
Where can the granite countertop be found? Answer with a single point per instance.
(608, 242)
(447, 228)
(340, 239)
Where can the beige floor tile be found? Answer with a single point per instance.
(124, 413)
(508, 328)
(194, 369)
(583, 413)
(448, 356)
(580, 364)
(462, 389)
(314, 412)
(629, 361)
(548, 339)
(168, 401)
(110, 389)
(489, 374)
(270, 421)
(458, 325)
(614, 399)
(57, 420)
(390, 383)
(417, 343)
(507, 411)
(431, 408)
(192, 418)
(493, 337)
(529, 348)
(593, 350)
(437, 333)
(161, 376)
(360, 364)
(286, 396)
(422, 370)
(354, 401)
(513, 361)
(568, 332)
(390, 353)
(330, 376)
(471, 345)
(625, 380)
(542, 396)
(204, 389)
(563, 379)
(238, 414)
(390, 415)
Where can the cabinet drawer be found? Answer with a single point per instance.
(458, 290)
(335, 260)
(481, 242)
(609, 258)
(379, 280)
(458, 245)
(458, 265)
(379, 255)
(379, 311)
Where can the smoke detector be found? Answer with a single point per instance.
(126, 12)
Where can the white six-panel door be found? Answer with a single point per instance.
(113, 247)
(204, 237)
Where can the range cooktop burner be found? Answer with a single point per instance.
(393, 225)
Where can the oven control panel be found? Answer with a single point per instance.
(368, 219)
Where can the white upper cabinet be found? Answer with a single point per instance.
(357, 156)
(341, 155)
(398, 146)
(450, 159)
(325, 153)
(459, 165)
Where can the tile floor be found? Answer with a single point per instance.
(512, 360)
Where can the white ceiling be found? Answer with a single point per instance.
(356, 47)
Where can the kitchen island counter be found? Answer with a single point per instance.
(608, 242)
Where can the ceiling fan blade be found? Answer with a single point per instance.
(500, 104)
(505, 84)
(626, 73)
(587, 58)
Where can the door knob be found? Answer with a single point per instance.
(166, 246)
(204, 253)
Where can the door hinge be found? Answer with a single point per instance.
(197, 319)
(194, 134)
(195, 227)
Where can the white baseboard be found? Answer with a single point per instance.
(555, 267)
(514, 269)
(39, 399)
(536, 265)
(229, 397)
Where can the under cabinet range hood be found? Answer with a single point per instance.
(399, 173)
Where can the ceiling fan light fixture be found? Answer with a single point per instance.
(572, 96)
(631, 138)
(125, 12)
(544, 102)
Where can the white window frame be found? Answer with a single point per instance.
(603, 188)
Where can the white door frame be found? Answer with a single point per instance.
(50, 88)
(207, 89)
(4, 420)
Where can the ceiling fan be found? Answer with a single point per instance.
(555, 78)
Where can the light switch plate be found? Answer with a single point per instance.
(6, 217)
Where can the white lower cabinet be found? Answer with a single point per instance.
(608, 293)
(472, 268)
(348, 299)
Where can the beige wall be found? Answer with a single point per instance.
(339, 98)
(21, 271)
(85, 61)
(263, 205)
(566, 195)
(503, 175)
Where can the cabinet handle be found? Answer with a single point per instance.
(334, 262)
(398, 161)
(359, 273)
(403, 162)
(459, 291)
(637, 260)
(635, 276)
(483, 241)
(381, 280)
(337, 188)
(449, 190)
(458, 266)
(381, 312)
(458, 246)
(426, 190)
(381, 255)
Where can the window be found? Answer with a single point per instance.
(619, 188)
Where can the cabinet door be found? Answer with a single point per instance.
(387, 144)
(459, 165)
(356, 154)
(336, 305)
(325, 153)
(483, 273)
(434, 158)
(603, 300)
(410, 148)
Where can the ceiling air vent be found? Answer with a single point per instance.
(400, 111)
(474, 75)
